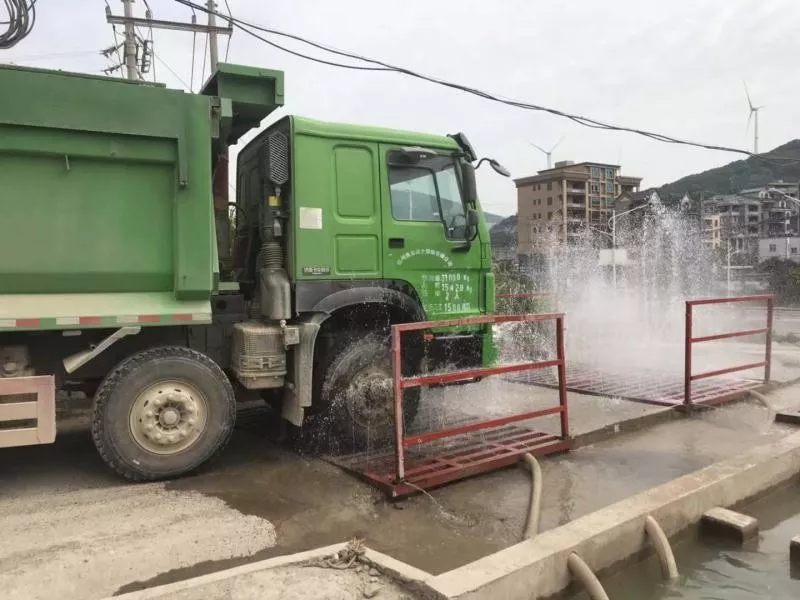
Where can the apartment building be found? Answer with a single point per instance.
(751, 215)
(566, 198)
(785, 248)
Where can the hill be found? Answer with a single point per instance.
(741, 174)
(492, 219)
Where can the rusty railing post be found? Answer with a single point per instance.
(687, 359)
(768, 354)
(397, 375)
(562, 377)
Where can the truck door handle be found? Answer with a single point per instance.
(396, 243)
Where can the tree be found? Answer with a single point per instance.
(784, 279)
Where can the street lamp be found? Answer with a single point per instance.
(612, 223)
(729, 265)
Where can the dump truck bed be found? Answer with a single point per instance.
(106, 196)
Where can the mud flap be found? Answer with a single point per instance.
(297, 394)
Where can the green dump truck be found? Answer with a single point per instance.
(129, 273)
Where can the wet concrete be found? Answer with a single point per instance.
(310, 503)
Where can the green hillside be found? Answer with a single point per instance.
(742, 174)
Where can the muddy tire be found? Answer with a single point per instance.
(162, 413)
(357, 392)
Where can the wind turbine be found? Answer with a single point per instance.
(548, 153)
(753, 111)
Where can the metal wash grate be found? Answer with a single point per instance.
(646, 386)
(432, 464)
(424, 459)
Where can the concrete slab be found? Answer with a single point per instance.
(721, 522)
(790, 417)
(538, 567)
(319, 574)
(794, 551)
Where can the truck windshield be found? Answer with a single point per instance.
(428, 191)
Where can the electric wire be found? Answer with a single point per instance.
(171, 70)
(585, 121)
(21, 19)
(205, 55)
(230, 35)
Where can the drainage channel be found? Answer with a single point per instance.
(715, 568)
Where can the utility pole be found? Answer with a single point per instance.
(213, 50)
(130, 42)
(130, 22)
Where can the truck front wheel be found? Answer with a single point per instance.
(162, 413)
(358, 393)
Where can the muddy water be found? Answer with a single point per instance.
(312, 504)
(760, 570)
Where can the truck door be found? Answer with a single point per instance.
(424, 231)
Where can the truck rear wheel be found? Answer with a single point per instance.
(162, 413)
(358, 393)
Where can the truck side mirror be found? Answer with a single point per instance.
(470, 186)
(472, 224)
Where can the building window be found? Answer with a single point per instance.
(594, 188)
(596, 171)
(549, 186)
(609, 173)
(595, 201)
(794, 250)
(550, 216)
(609, 187)
(773, 247)
(549, 201)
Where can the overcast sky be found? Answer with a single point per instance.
(674, 67)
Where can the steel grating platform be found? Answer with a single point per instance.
(646, 386)
(436, 463)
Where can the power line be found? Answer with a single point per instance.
(57, 55)
(205, 54)
(230, 37)
(244, 26)
(191, 77)
(247, 27)
(171, 70)
(21, 19)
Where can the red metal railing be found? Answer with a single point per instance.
(690, 377)
(402, 383)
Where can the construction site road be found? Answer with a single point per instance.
(73, 530)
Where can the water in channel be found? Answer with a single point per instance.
(717, 571)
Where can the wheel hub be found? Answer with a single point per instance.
(370, 398)
(168, 417)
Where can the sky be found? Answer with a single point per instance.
(676, 68)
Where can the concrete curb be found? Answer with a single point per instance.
(410, 577)
(593, 436)
(538, 568)
(270, 563)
